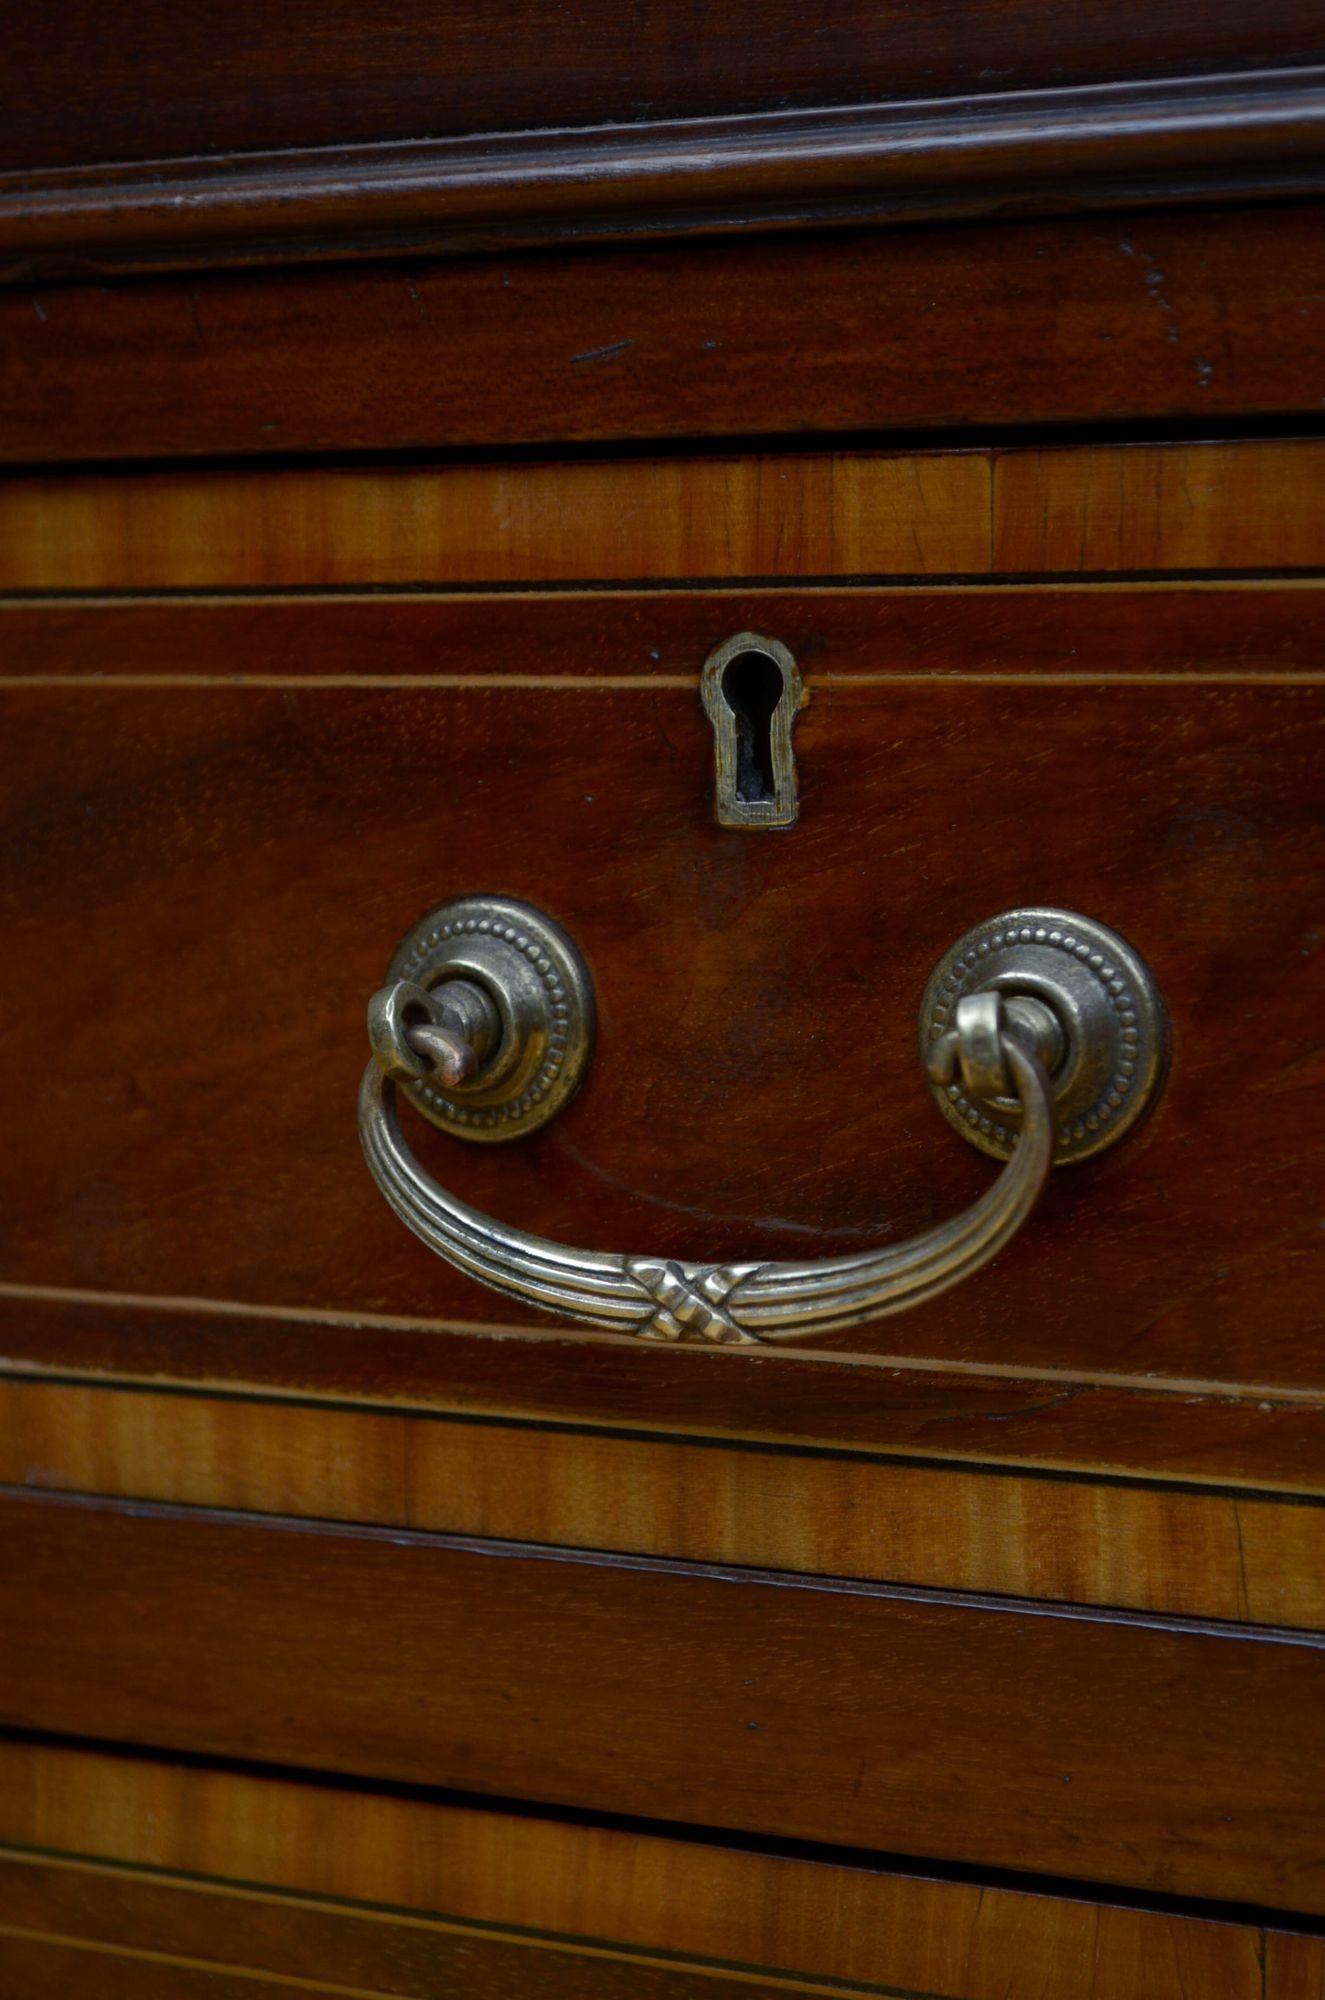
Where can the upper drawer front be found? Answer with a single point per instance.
(222, 815)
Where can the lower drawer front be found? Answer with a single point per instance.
(1161, 1754)
(132, 1877)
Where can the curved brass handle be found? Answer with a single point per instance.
(663, 1299)
(1041, 1035)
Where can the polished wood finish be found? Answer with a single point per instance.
(48, 1969)
(981, 1411)
(1220, 507)
(1213, 1555)
(221, 79)
(1091, 321)
(746, 1700)
(351, 557)
(1073, 148)
(63, 1923)
(1139, 508)
(623, 518)
(241, 838)
(591, 1885)
(1294, 1968)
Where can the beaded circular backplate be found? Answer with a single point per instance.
(507, 946)
(1107, 1002)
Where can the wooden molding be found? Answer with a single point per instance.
(1033, 151)
(1181, 1432)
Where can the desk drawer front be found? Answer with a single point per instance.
(227, 867)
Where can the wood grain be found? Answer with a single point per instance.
(1155, 508)
(1294, 1967)
(1200, 1554)
(626, 518)
(222, 79)
(1186, 1432)
(977, 1730)
(64, 1924)
(1209, 631)
(46, 1969)
(1087, 321)
(1240, 506)
(268, 845)
(590, 1885)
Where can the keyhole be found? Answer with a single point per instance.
(752, 688)
(752, 692)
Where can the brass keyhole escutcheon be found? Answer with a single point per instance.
(752, 692)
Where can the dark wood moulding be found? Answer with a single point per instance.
(1198, 140)
(232, 76)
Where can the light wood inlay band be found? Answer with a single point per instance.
(1099, 1542)
(1118, 508)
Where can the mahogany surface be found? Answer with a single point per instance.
(1192, 1433)
(269, 844)
(453, 1873)
(176, 1940)
(984, 1730)
(1150, 1546)
(239, 77)
(1076, 634)
(1216, 507)
(396, 409)
(1106, 319)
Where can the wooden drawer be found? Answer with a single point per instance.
(1025, 1584)
(145, 1870)
(391, 490)
(987, 1731)
(237, 806)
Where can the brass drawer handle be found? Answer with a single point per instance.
(1042, 1036)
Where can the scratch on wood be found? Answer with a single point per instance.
(601, 353)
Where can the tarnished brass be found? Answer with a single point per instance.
(752, 692)
(1011, 1057)
(1112, 1036)
(444, 1034)
(487, 1018)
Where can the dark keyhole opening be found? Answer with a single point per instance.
(752, 687)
